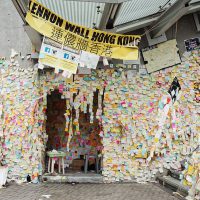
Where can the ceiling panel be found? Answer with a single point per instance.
(136, 9)
(82, 13)
(195, 1)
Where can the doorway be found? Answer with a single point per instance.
(55, 125)
(84, 146)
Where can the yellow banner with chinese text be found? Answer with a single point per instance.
(81, 38)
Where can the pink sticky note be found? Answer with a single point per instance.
(151, 110)
(173, 125)
(61, 86)
(123, 102)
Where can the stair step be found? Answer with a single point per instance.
(73, 178)
(173, 184)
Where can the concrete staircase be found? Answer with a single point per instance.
(172, 181)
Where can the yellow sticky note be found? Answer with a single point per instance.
(156, 140)
(190, 170)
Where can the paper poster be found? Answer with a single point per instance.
(84, 70)
(89, 60)
(131, 74)
(161, 56)
(58, 58)
(81, 38)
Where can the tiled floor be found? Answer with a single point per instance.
(84, 192)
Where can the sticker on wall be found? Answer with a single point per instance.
(192, 44)
(174, 89)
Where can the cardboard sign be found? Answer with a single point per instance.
(161, 56)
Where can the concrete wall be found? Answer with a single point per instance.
(12, 34)
(186, 29)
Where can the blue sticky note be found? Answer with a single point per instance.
(143, 152)
(161, 105)
(42, 55)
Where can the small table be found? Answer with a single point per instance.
(52, 158)
(96, 157)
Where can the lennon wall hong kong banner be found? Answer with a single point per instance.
(80, 38)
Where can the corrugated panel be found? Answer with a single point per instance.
(136, 9)
(82, 13)
(195, 1)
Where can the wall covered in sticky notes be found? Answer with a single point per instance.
(22, 130)
(156, 132)
(142, 130)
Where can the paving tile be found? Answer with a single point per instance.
(85, 192)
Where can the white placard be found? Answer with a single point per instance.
(84, 70)
(90, 60)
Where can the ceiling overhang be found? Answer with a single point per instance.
(169, 17)
(147, 21)
(103, 1)
(111, 11)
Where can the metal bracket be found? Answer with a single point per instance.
(196, 19)
(157, 40)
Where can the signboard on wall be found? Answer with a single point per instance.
(161, 56)
(192, 44)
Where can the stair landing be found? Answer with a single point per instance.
(73, 178)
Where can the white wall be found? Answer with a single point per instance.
(12, 34)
